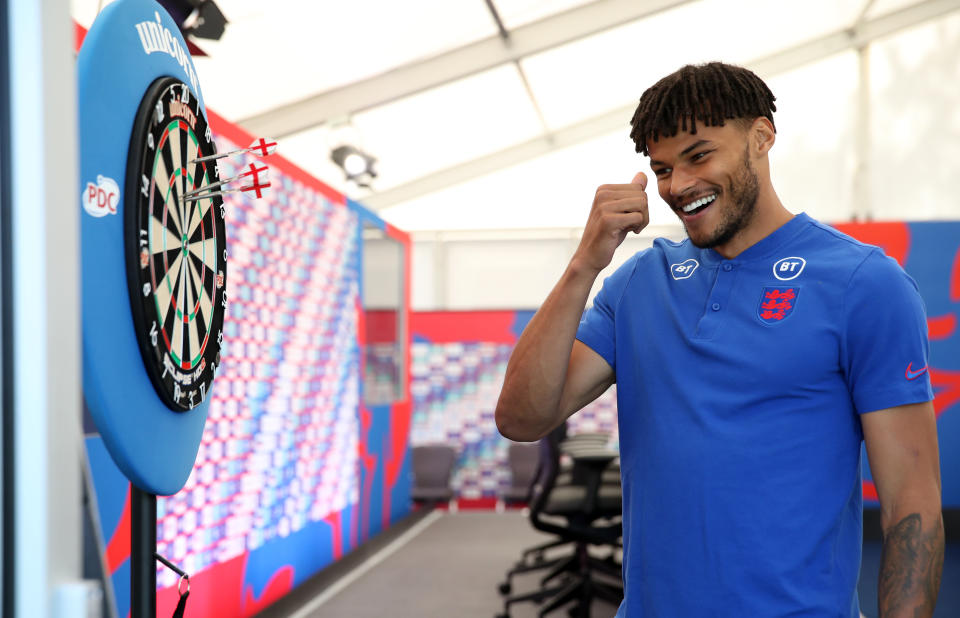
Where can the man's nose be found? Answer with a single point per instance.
(680, 183)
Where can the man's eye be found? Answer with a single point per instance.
(700, 155)
(660, 173)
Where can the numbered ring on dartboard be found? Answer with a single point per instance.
(176, 245)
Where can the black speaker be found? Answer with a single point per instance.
(200, 18)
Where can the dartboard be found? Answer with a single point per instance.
(175, 244)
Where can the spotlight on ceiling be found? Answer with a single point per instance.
(356, 164)
(200, 18)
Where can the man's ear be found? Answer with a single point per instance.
(762, 135)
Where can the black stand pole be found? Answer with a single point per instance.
(143, 546)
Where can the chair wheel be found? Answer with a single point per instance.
(505, 588)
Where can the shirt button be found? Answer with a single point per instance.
(716, 306)
(727, 267)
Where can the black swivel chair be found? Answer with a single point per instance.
(584, 513)
(534, 558)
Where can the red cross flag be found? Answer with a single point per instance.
(263, 146)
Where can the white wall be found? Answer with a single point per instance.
(382, 272)
(513, 269)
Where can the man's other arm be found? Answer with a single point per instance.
(904, 458)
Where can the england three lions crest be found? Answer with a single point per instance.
(776, 304)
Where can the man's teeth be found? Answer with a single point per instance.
(703, 201)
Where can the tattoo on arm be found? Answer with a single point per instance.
(910, 568)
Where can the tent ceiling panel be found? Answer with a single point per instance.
(812, 163)
(516, 13)
(290, 116)
(302, 48)
(444, 126)
(555, 190)
(783, 60)
(884, 7)
(611, 69)
(590, 76)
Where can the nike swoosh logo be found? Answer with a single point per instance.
(913, 375)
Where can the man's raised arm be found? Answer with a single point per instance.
(551, 375)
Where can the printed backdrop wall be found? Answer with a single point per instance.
(459, 360)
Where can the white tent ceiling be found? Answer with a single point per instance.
(508, 113)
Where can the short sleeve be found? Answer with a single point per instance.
(885, 348)
(597, 326)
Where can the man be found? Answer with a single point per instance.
(750, 361)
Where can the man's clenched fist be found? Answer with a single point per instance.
(617, 210)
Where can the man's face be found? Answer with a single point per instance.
(708, 181)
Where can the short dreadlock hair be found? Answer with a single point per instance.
(710, 93)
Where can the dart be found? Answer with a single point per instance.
(257, 188)
(257, 175)
(260, 147)
(257, 172)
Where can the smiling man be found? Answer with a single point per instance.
(751, 361)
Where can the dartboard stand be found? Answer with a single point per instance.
(143, 547)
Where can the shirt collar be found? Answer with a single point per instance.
(766, 246)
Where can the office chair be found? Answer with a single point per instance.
(533, 558)
(432, 469)
(584, 513)
(524, 461)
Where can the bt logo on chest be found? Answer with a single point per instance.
(789, 268)
(684, 269)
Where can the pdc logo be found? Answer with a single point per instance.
(101, 199)
(789, 268)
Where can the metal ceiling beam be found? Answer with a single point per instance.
(852, 38)
(768, 66)
(462, 62)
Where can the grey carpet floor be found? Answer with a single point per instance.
(451, 568)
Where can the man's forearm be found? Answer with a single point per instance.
(536, 373)
(911, 565)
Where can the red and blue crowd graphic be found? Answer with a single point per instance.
(459, 360)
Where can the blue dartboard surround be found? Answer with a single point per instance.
(131, 44)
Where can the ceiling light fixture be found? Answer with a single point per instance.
(357, 166)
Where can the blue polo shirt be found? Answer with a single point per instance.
(739, 385)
